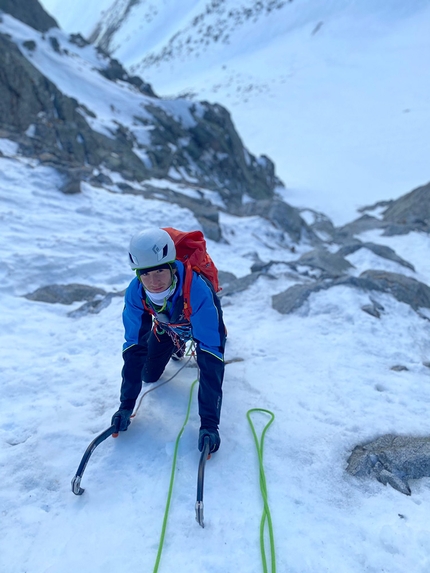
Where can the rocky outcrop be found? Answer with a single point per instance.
(411, 212)
(210, 154)
(66, 294)
(114, 71)
(331, 265)
(323, 264)
(30, 12)
(380, 250)
(96, 299)
(51, 127)
(203, 152)
(204, 211)
(362, 224)
(281, 214)
(405, 289)
(317, 263)
(230, 284)
(294, 297)
(392, 460)
(321, 225)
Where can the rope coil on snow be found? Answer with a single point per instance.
(266, 518)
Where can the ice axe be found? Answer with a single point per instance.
(201, 479)
(111, 431)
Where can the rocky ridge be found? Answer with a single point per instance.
(198, 147)
(30, 12)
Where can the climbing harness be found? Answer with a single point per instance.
(190, 356)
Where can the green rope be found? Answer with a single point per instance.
(266, 518)
(172, 479)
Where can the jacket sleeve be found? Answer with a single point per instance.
(137, 327)
(209, 333)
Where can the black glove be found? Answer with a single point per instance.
(214, 439)
(124, 419)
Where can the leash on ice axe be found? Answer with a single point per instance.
(266, 526)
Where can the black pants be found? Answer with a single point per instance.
(160, 350)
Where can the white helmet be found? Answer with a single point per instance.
(151, 248)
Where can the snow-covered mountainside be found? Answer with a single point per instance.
(80, 110)
(328, 330)
(334, 92)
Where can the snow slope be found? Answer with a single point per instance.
(324, 371)
(335, 92)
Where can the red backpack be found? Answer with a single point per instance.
(191, 251)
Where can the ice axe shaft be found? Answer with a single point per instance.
(76, 481)
(200, 481)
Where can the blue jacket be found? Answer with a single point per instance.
(206, 328)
